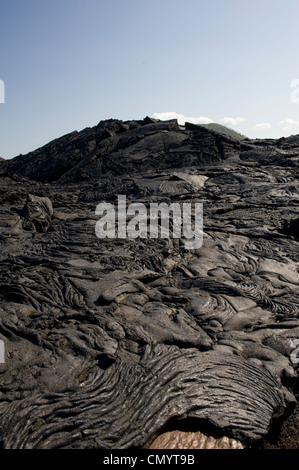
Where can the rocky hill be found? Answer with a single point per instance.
(110, 343)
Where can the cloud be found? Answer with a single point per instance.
(230, 121)
(262, 126)
(181, 118)
(289, 126)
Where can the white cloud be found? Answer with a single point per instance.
(181, 118)
(290, 126)
(230, 121)
(262, 126)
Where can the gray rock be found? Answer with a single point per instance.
(107, 341)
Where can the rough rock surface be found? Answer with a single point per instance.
(193, 440)
(107, 341)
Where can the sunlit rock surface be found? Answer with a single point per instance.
(108, 340)
(193, 440)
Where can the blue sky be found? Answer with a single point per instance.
(68, 64)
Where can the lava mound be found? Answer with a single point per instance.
(113, 343)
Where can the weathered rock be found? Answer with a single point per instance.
(193, 440)
(109, 340)
(37, 213)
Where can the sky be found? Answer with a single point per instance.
(68, 64)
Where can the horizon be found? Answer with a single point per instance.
(180, 123)
(68, 65)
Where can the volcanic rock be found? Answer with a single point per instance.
(109, 340)
(193, 440)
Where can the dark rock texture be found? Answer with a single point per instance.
(107, 341)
